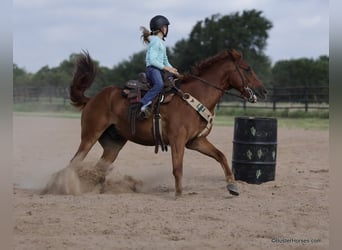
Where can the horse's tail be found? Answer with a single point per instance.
(84, 75)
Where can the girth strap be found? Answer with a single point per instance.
(158, 127)
(201, 110)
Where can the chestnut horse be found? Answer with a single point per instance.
(181, 123)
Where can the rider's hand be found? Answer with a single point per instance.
(172, 70)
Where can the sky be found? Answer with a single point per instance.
(46, 32)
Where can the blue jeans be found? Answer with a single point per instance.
(154, 76)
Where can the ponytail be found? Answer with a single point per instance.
(146, 33)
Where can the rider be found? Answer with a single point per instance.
(156, 57)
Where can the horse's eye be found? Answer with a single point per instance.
(248, 70)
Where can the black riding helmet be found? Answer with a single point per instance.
(157, 23)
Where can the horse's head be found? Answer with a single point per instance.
(244, 79)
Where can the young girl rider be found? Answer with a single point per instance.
(156, 58)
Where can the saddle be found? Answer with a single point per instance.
(134, 90)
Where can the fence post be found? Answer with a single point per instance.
(65, 96)
(306, 97)
(50, 94)
(274, 99)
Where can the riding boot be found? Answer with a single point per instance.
(145, 112)
(144, 107)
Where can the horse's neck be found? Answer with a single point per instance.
(206, 94)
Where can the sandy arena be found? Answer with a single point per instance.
(138, 209)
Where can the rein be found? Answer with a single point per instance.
(250, 98)
(214, 86)
(202, 110)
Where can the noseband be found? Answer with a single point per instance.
(251, 96)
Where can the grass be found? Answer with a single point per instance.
(220, 120)
(314, 119)
(55, 105)
(65, 114)
(305, 123)
(284, 113)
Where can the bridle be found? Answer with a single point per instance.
(251, 96)
(203, 111)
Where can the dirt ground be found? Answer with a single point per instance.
(140, 211)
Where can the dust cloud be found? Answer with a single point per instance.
(85, 177)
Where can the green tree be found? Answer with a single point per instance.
(21, 77)
(59, 76)
(300, 72)
(121, 73)
(44, 77)
(247, 32)
(302, 79)
(129, 69)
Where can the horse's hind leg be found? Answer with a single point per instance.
(202, 145)
(111, 148)
(92, 128)
(112, 143)
(83, 149)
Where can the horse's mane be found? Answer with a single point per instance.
(203, 65)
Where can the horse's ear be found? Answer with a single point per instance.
(235, 55)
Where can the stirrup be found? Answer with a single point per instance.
(144, 107)
(145, 114)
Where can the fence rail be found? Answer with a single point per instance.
(299, 97)
(302, 97)
(36, 94)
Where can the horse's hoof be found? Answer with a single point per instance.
(232, 188)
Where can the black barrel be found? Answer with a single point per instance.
(254, 149)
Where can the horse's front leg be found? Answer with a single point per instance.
(202, 145)
(177, 152)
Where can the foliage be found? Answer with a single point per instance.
(21, 77)
(303, 71)
(57, 77)
(120, 74)
(246, 31)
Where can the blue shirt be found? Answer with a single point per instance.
(156, 53)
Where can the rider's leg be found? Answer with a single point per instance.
(154, 75)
